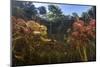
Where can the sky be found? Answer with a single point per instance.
(67, 9)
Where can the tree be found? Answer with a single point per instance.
(42, 10)
(53, 16)
(85, 17)
(59, 22)
(24, 9)
(54, 9)
(92, 12)
(75, 15)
